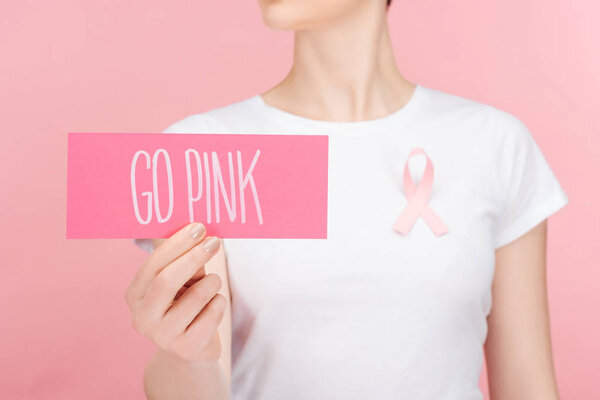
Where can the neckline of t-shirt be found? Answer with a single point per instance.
(403, 114)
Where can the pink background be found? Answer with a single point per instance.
(137, 66)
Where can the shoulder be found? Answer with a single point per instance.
(484, 120)
(217, 120)
(442, 102)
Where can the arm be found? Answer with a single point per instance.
(518, 346)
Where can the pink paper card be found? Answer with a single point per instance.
(148, 185)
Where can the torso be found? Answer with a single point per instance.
(369, 313)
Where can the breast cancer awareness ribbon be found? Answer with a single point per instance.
(417, 198)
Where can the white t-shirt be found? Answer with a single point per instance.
(369, 313)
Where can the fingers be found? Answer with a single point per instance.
(208, 320)
(165, 286)
(175, 246)
(192, 302)
(204, 326)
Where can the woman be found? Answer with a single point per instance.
(371, 312)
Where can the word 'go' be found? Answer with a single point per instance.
(203, 181)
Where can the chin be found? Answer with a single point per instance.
(280, 16)
(304, 14)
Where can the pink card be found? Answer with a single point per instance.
(148, 185)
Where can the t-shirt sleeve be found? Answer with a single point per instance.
(191, 124)
(530, 191)
(144, 244)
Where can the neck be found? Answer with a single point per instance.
(345, 72)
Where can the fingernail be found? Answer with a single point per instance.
(197, 230)
(211, 244)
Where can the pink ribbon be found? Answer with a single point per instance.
(417, 199)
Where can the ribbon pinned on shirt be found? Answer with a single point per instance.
(417, 198)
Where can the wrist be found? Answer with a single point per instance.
(184, 364)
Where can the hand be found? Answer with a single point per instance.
(174, 302)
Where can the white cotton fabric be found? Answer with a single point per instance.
(369, 313)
